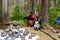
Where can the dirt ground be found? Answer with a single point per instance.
(41, 35)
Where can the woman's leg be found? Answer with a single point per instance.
(27, 21)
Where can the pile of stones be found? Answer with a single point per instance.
(13, 33)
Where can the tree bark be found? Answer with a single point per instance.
(33, 10)
(0, 11)
(28, 4)
(54, 3)
(40, 2)
(7, 15)
(19, 5)
(45, 6)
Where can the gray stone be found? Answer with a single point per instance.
(26, 32)
(9, 38)
(3, 33)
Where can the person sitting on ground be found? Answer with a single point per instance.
(40, 21)
(36, 25)
(39, 18)
(30, 19)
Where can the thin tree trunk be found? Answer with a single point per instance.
(54, 3)
(40, 2)
(28, 4)
(7, 15)
(49, 4)
(0, 11)
(33, 6)
(19, 5)
(45, 6)
(14, 2)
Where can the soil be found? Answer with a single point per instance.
(42, 36)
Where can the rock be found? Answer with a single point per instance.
(9, 38)
(3, 33)
(15, 33)
(30, 37)
(23, 37)
(33, 34)
(26, 32)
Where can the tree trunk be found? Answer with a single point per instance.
(33, 6)
(14, 2)
(7, 15)
(28, 4)
(19, 5)
(54, 3)
(0, 11)
(40, 2)
(49, 3)
(45, 6)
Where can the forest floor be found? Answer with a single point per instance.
(41, 35)
(44, 34)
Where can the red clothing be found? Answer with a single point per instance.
(30, 16)
(30, 22)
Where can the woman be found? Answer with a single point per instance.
(30, 19)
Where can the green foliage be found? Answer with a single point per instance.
(17, 16)
(15, 13)
(52, 16)
(39, 9)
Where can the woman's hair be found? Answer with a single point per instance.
(31, 12)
